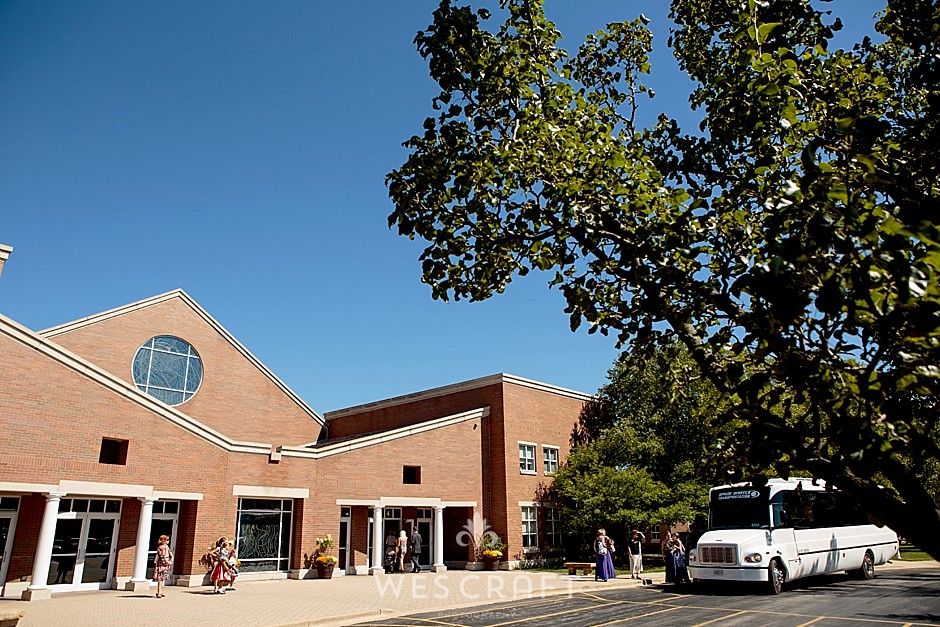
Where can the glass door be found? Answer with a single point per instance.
(343, 543)
(94, 560)
(7, 528)
(424, 528)
(369, 538)
(165, 517)
(84, 544)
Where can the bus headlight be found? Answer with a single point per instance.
(753, 558)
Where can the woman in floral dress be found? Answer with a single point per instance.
(162, 562)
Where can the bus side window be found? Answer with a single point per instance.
(796, 505)
(780, 516)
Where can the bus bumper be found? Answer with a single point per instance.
(728, 573)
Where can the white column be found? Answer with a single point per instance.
(378, 542)
(38, 588)
(139, 579)
(438, 566)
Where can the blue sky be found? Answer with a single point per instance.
(237, 150)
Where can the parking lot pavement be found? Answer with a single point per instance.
(903, 594)
(339, 601)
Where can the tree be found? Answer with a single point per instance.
(643, 451)
(791, 243)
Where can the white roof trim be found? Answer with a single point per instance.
(178, 293)
(385, 436)
(357, 503)
(21, 334)
(268, 492)
(94, 488)
(459, 387)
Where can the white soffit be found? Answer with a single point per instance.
(269, 492)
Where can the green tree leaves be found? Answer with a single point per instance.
(790, 242)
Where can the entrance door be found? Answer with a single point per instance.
(369, 539)
(84, 545)
(7, 528)
(424, 528)
(165, 517)
(343, 544)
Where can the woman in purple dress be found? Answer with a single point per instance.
(603, 547)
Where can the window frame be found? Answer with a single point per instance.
(533, 524)
(553, 534)
(523, 469)
(545, 459)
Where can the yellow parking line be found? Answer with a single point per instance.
(718, 620)
(543, 616)
(523, 603)
(624, 620)
(810, 622)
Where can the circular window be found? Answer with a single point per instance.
(168, 368)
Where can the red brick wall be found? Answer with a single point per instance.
(541, 417)
(235, 397)
(403, 414)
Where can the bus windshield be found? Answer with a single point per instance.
(739, 508)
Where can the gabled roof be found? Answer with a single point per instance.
(180, 294)
(46, 347)
(459, 387)
(114, 384)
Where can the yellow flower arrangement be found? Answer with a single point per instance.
(326, 559)
(493, 553)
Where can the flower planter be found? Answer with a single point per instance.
(492, 563)
(325, 571)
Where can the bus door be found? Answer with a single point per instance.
(784, 536)
(815, 546)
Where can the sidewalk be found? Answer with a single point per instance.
(338, 601)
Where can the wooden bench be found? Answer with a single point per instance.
(586, 567)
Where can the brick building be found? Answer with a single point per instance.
(151, 418)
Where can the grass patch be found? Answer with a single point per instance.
(911, 553)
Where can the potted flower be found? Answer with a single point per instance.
(491, 550)
(323, 561)
(491, 558)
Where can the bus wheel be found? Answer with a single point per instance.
(775, 577)
(867, 571)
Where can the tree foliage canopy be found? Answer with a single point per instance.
(643, 452)
(791, 242)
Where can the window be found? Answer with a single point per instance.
(530, 528)
(264, 534)
(527, 458)
(167, 368)
(113, 452)
(411, 474)
(553, 526)
(654, 533)
(550, 459)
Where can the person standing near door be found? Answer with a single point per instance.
(162, 562)
(416, 541)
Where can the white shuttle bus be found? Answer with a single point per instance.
(785, 530)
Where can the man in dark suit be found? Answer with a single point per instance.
(416, 542)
